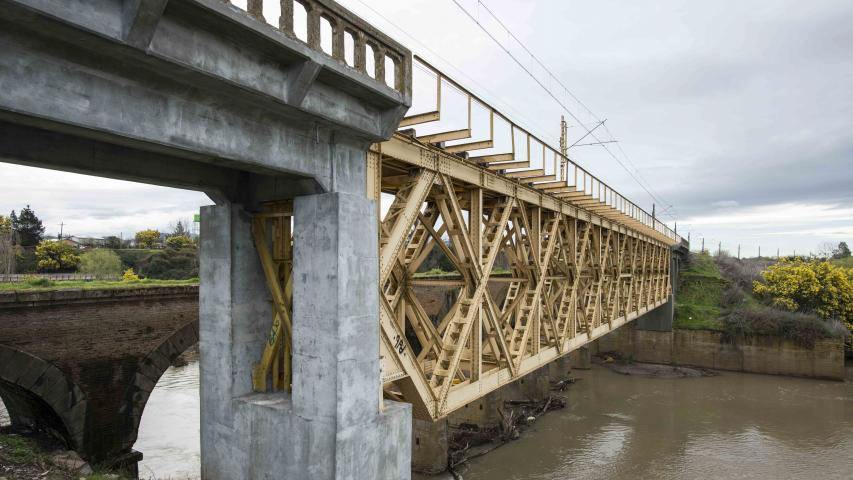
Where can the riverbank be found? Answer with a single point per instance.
(31, 455)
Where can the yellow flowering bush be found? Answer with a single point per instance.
(818, 287)
(130, 276)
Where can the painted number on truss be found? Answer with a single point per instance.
(399, 344)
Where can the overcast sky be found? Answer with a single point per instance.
(738, 114)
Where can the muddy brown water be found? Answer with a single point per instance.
(734, 425)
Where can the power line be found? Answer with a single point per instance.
(654, 197)
(493, 96)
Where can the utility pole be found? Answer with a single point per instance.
(720, 249)
(738, 251)
(703, 245)
(564, 148)
(759, 251)
(61, 226)
(777, 253)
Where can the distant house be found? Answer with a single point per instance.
(85, 242)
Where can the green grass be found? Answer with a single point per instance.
(697, 304)
(437, 272)
(19, 450)
(42, 284)
(23, 451)
(843, 262)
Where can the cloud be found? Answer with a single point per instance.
(725, 203)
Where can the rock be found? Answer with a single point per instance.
(69, 460)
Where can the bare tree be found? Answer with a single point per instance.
(7, 252)
(825, 250)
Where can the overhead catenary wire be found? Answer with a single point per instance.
(655, 198)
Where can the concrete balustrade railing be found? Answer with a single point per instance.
(352, 41)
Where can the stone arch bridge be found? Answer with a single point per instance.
(82, 363)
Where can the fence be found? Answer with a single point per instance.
(21, 277)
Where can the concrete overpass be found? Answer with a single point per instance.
(296, 138)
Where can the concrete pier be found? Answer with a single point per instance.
(333, 425)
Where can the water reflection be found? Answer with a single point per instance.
(169, 430)
(4, 415)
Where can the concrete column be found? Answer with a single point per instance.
(337, 389)
(580, 359)
(331, 427)
(429, 446)
(234, 315)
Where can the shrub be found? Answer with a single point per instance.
(803, 329)
(129, 276)
(172, 264)
(101, 263)
(39, 282)
(179, 242)
(818, 287)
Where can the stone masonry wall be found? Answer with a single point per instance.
(708, 349)
(102, 341)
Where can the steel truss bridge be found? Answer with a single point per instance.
(583, 259)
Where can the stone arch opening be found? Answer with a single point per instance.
(37, 394)
(150, 369)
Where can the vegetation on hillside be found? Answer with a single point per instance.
(733, 296)
(43, 284)
(698, 304)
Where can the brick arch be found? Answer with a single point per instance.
(149, 371)
(36, 392)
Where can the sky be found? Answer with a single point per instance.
(737, 117)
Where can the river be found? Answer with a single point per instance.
(733, 425)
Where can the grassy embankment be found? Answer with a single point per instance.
(42, 284)
(698, 303)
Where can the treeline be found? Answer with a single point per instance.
(24, 249)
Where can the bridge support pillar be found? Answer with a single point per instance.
(581, 358)
(333, 425)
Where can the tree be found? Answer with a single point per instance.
(180, 229)
(825, 249)
(7, 248)
(112, 242)
(29, 227)
(101, 263)
(843, 251)
(179, 242)
(147, 238)
(56, 256)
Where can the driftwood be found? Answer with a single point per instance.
(515, 415)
